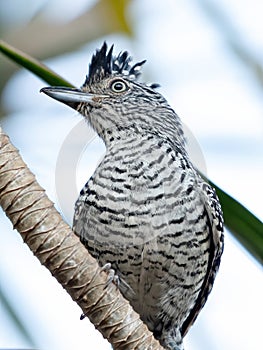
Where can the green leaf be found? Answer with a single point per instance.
(245, 226)
(33, 65)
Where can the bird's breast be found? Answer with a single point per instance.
(141, 212)
(137, 193)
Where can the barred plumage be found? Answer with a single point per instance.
(146, 210)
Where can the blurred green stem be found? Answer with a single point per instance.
(33, 65)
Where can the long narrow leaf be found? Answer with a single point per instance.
(33, 65)
(245, 226)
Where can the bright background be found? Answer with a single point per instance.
(207, 56)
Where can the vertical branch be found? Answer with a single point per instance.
(55, 245)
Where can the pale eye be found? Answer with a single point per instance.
(119, 86)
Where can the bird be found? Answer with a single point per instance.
(146, 211)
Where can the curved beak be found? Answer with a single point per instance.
(70, 96)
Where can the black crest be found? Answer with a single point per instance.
(104, 64)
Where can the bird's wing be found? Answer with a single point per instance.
(215, 216)
(76, 222)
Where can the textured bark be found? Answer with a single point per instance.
(55, 245)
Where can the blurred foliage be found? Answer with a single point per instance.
(233, 39)
(17, 322)
(40, 38)
(33, 65)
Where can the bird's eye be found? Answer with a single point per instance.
(119, 86)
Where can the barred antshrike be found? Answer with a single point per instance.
(145, 210)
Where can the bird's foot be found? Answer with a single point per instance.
(112, 277)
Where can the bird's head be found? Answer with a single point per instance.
(113, 100)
